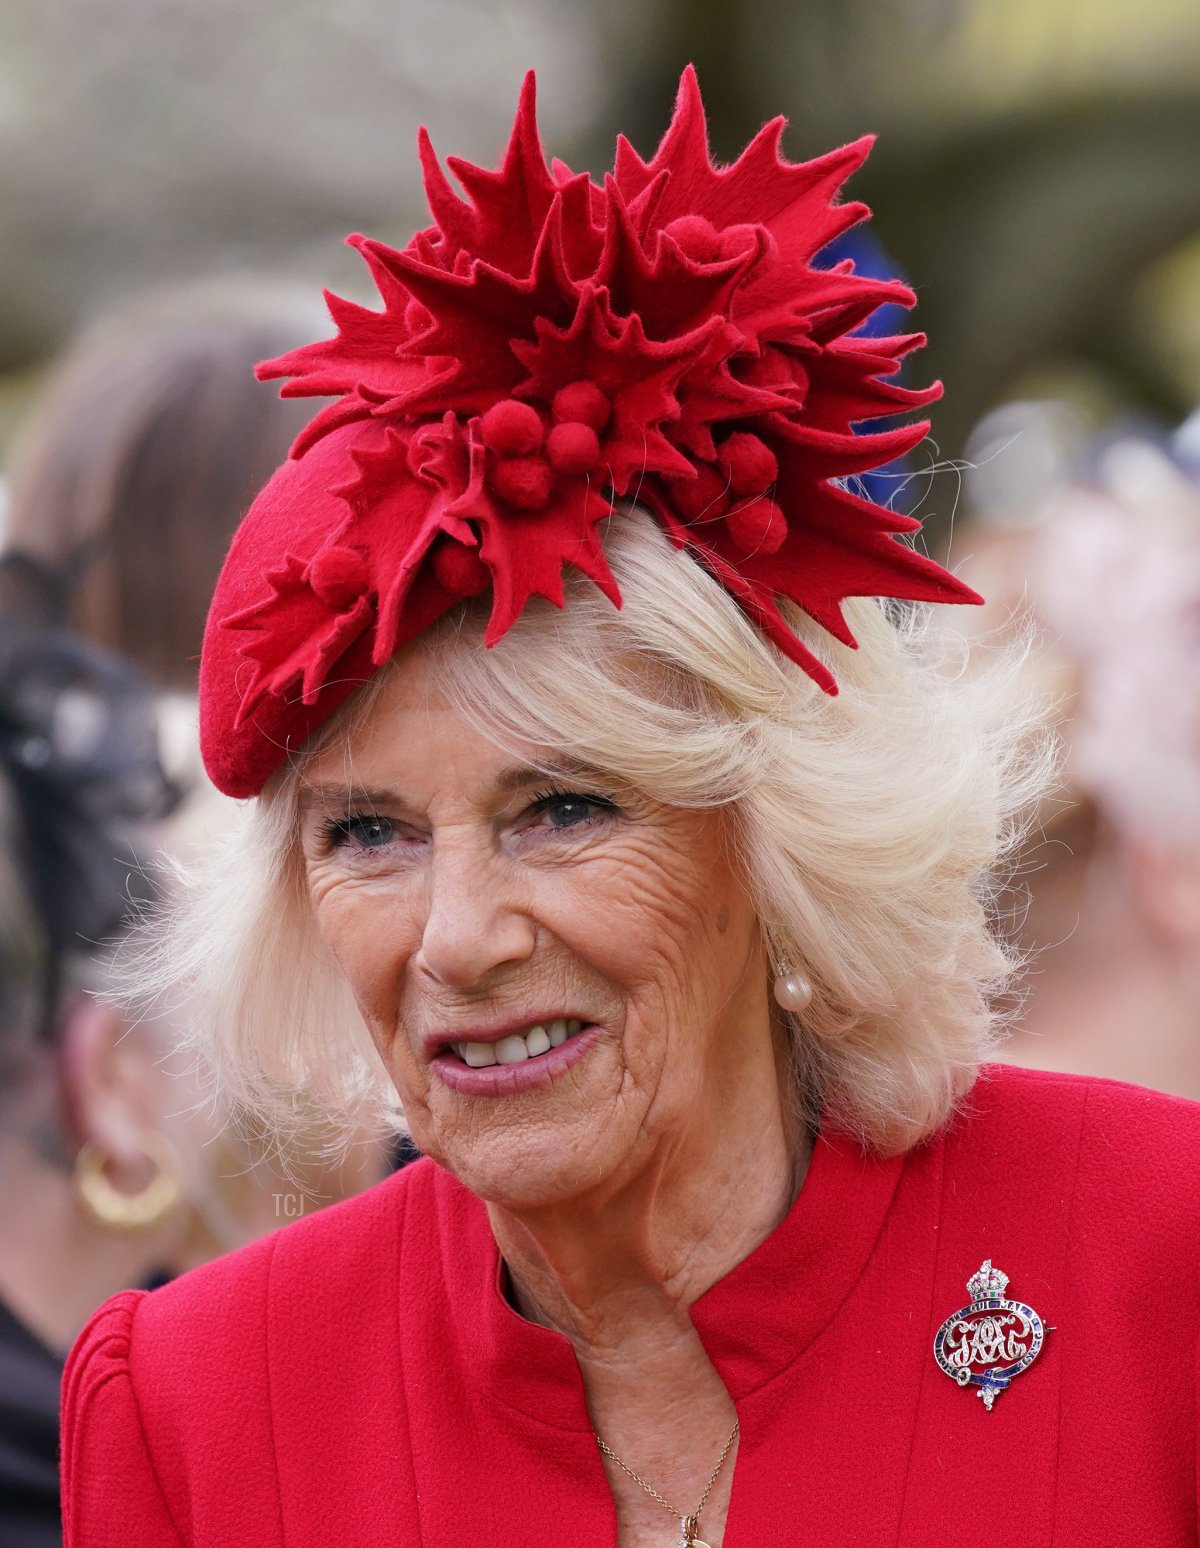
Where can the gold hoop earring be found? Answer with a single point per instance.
(118, 1211)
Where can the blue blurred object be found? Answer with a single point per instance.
(893, 485)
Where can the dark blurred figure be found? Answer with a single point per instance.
(82, 1107)
(142, 455)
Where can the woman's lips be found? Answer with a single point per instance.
(530, 1071)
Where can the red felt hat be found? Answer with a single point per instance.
(547, 347)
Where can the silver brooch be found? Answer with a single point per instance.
(989, 1343)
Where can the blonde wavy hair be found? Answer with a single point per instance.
(871, 827)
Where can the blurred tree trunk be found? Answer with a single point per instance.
(720, 37)
(1025, 241)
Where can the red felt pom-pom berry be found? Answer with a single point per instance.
(525, 482)
(758, 527)
(703, 498)
(582, 403)
(460, 569)
(339, 576)
(513, 429)
(748, 463)
(698, 238)
(573, 448)
(740, 241)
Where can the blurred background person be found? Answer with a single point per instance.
(115, 1168)
(134, 469)
(131, 472)
(1106, 559)
(99, 1162)
(140, 456)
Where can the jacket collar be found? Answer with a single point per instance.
(753, 1323)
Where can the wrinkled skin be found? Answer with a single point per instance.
(459, 889)
(469, 903)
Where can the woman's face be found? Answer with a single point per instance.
(564, 978)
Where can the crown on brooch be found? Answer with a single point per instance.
(987, 1283)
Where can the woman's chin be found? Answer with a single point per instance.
(532, 1168)
(522, 1143)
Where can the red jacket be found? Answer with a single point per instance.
(359, 1380)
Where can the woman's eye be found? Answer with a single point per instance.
(361, 832)
(570, 809)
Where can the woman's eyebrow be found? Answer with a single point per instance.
(522, 775)
(321, 797)
(518, 777)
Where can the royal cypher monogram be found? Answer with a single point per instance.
(990, 1342)
(987, 1341)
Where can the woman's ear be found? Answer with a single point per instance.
(108, 1080)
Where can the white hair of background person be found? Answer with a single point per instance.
(1134, 541)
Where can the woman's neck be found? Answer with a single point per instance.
(617, 1267)
(638, 1251)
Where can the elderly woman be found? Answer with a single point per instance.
(675, 959)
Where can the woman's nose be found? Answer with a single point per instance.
(475, 924)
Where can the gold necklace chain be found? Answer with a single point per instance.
(690, 1524)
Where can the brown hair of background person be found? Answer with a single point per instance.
(142, 455)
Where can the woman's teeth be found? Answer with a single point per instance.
(516, 1049)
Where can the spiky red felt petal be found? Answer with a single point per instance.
(295, 636)
(637, 375)
(484, 223)
(474, 319)
(760, 188)
(548, 345)
(527, 561)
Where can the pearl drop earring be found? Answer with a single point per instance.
(793, 992)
